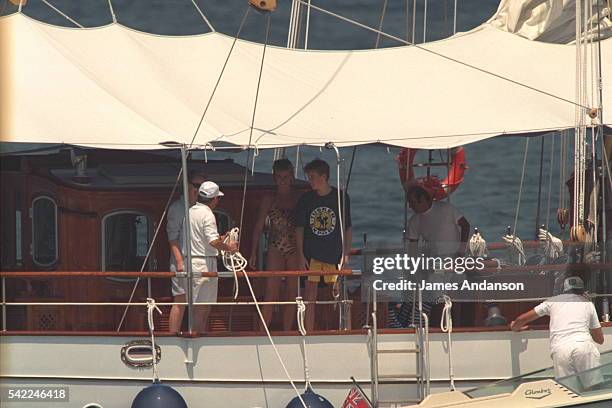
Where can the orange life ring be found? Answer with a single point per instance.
(438, 189)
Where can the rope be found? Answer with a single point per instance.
(446, 325)
(293, 24)
(235, 262)
(425, 21)
(537, 223)
(380, 22)
(552, 246)
(244, 17)
(518, 203)
(579, 129)
(301, 313)
(246, 174)
(482, 70)
(515, 247)
(58, 11)
(550, 177)
(414, 21)
(477, 246)
(112, 11)
(203, 16)
(151, 306)
(20, 6)
(455, 19)
(594, 192)
(307, 26)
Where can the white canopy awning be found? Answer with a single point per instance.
(115, 87)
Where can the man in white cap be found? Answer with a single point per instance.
(574, 326)
(205, 245)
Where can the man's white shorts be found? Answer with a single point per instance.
(204, 288)
(575, 357)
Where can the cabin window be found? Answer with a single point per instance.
(125, 240)
(44, 231)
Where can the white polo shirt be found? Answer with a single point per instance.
(571, 318)
(203, 227)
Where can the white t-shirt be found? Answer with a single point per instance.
(571, 318)
(203, 227)
(438, 226)
(174, 223)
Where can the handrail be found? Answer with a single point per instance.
(317, 302)
(251, 274)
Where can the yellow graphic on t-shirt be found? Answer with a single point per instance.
(322, 221)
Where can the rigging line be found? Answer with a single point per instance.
(293, 24)
(380, 22)
(61, 13)
(348, 178)
(298, 28)
(20, 6)
(594, 189)
(307, 26)
(455, 19)
(146, 258)
(537, 223)
(425, 21)
(520, 193)
(414, 21)
(482, 70)
(291, 19)
(407, 26)
(606, 170)
(112, 11)
(246, 167)
(203, 16)
(244, 17)
(604, 153)
(550, 178)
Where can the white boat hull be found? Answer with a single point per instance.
(245, 372)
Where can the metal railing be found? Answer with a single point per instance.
(344, 303)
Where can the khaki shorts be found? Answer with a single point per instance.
(204, 288)
(316, 265)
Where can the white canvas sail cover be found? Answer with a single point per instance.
(115, 87)
(551, 20)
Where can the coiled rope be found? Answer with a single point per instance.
(477, 246)
(446, 325)
(236, 263)
(151, 306)
(301, 313)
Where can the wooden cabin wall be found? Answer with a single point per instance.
(80, 212)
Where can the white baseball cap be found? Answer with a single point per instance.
(573, 282)
(208, 189)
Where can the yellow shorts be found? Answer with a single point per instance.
(322, 266)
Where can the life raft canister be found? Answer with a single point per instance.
(438, 189)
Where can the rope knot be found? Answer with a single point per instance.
(301, 313)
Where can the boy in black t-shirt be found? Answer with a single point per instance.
(319, 239)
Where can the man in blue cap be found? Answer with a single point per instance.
(574, 327)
